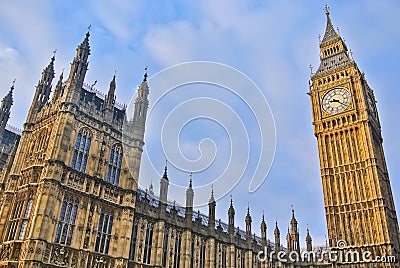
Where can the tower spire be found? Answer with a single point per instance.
(43, 89)
(231, 218)
(59, 89)
(330, 33)
(277, 236)
(189, 201)
(78, 70)
(211, 211)
(263, 228)
(248, 223)
(141, 106)
(109, 100)
(308, 241)
(5, 109)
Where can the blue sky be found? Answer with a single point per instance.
(272, 42)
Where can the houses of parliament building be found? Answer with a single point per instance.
(68, 198)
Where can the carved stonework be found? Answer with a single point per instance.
(99, 262)
(5, 252)
(59, 257)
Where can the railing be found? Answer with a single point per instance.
(92, 89)
(14, 129)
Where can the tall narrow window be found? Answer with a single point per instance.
(15, 220)
(147, 244)
(66, 221)
(202, 254)
(19, 218)
(177, 252)
(192, 253)
(25, 219)
(165, 248)
(133, 241)
(223, 256)
(114, 165)
(242, 259)
(81, 150)
(104, 233)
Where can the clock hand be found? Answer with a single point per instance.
(335, 100)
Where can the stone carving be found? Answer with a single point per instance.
(60, 257)
(6, 252)
(99, 262)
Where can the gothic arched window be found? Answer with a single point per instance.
(114, 165)
(19, 219)
(66, 221)
(81, 150)
(104, 232)
(177, 252)
(165, 248)
(148, 243)
(133, 241)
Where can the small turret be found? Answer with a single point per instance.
(263, 228)
(109, 100)
(231, 219)
(164, 182)
(5, 109)
(59, 89)
(189, 201)
(77, 73)
(248, 221)
(277, 235)
(211, 211)
(308, 241)
(43, 89)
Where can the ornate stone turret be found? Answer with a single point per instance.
(109, 101)
(189, 201)
(308, 241)
(293, 237)
(263, 228)
(43, 89)
(79, 66)
(141, 106)
(277, 236)
(59, 89)
(248, 221)
(211, 211)
(164, 182)
(5, 108)
(231, 219)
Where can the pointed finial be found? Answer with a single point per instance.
(54, 52)
(231, 200)
(145, 73)
(212, 190)
(89, 27)
(327, 9)
(292, 210)
(165, 176)
(311, 67)
(337, 28)
(351, 54)
(13, 84)
(263, 214)
(115, 73)
(319, 38)
(190, 180)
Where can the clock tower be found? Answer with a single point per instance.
(358, 199)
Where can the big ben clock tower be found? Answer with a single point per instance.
(358, 199)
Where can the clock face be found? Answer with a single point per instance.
(336, 100)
